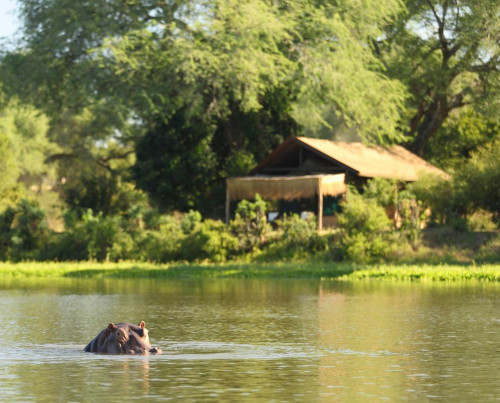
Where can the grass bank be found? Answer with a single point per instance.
(150, 270)
(312, 270)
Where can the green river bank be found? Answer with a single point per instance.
(318, 270)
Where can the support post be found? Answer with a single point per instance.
(320, 205)
(228, 202)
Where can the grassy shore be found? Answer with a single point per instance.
(324, 271)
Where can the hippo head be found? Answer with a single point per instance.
(117, 333)
(138, 341)
(122, 338)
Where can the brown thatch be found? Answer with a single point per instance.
(285, 187)
(392, 162)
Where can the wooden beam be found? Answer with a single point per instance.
(317, 170)
(320, 205)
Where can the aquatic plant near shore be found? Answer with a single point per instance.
(428, 273)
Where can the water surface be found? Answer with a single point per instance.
(247, 340)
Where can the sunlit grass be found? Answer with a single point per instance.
(487, 272)
(150, 270)
(313, 270)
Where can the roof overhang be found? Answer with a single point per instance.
(285, 187)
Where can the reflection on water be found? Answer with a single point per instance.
(247, 340)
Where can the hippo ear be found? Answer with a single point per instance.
(111, 326)
(142, 325)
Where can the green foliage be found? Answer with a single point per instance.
(294, 239)
(162, 241)
(175, 159)
(460, 136)
(447, 53)
(440, 196)
(479, 179)
(190, 220)
(362, 215)
(383, 191)
(250, 224)
(413, 217)
(101, 234)
(428, 273)
(24, 146)
(94, 237)
(301, 234)
(481, 220)
(23, 231)
(364, 226)
(474, 186)
(239, 163)
(103, 193)
(209, 240)
(214, 86)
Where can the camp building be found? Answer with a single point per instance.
(318, 170)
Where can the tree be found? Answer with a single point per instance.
(216, 57)
(447, 52)
(252, 71)
(24, 146)
(175, 164)
(459, 137)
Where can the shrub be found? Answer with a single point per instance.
(250, 224)
(481, 220)
(445, 201)
(209, 240)
(490, 252)
(96, 237)
(383, 191)
(164, 243)
(24, 231)
(301, 234)
(481, 176)
(294, 239)
(364, 226)
(189, 221)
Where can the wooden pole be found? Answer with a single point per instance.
(320, 205)
(228, 202)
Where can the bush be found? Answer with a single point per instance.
(294, 239)
(445, 201)
(250, 224)
(481, 220)
(364, 235)
(481, 176)
(301, 234)
(209, 240)
(95, 237)
(163, 244)
(383, 191)
(23, 231)
(190, 220)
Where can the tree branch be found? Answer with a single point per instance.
(59, 156)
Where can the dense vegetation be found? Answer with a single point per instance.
(120, 120)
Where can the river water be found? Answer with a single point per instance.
(252, 340)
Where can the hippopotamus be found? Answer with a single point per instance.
(122, 338)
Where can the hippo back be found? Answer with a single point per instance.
(97, 344)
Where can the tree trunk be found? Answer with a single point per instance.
(432, 121)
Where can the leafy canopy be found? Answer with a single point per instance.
(211, 57)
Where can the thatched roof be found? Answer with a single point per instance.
(392, 162)
(285, 187)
